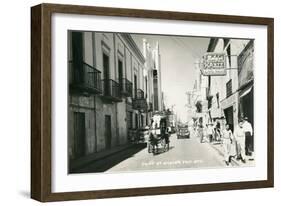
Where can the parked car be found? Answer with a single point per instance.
(183, 132)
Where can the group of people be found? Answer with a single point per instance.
(237, 143)
(210, 131)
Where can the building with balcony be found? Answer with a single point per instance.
(153, 76)
(110, 91)
(223, 90)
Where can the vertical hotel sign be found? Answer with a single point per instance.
(214, 64)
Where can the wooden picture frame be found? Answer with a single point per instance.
(41, 97)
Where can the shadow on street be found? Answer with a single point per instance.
(108, 162)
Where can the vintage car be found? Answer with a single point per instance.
(183, 132)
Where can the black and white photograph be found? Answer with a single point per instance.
(134, 102)
(141, 102)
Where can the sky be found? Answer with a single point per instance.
(178, 58)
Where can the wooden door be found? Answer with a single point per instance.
(108, 134)
(120, 75)
(106, 74)
(79, 134)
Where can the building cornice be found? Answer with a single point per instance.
(128, 38)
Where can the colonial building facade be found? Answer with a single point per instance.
(153, 71)
(110, 91)
(229, 96)
(222, 92)
(246, 82)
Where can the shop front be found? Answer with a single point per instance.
(230, 111)
(246, 92)
(246, 100)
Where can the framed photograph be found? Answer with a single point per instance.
(130, 102)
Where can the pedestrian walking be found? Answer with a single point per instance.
(239, 135)
(210, 132)
(227, 140)
(164, 130)
(201, 132)
(218, 131)
(249, 136)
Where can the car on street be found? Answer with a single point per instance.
(183, 132)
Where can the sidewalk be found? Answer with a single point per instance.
(83, 161)
(217, 146)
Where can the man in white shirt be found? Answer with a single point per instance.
(249, 136)
(210, 132)
(239, 135)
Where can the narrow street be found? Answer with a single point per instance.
(183, 153)
(153, 81)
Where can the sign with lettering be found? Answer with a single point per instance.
(214, 64)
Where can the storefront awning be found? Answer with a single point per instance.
(246, 91)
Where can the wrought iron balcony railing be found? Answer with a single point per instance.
(126, 88)
(139, 102)
(84, 78)
(111, 90)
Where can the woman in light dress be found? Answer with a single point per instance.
(227, 140)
